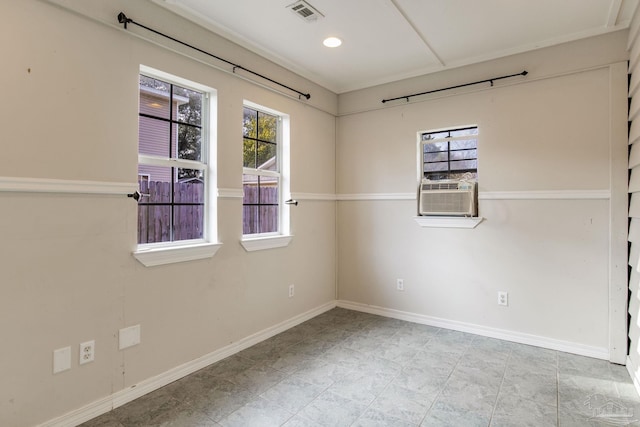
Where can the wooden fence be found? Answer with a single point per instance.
(154, 220)
(263, 218)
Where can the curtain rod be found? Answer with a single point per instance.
(524, 73)
(122, 19)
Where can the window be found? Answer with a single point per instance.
(265, 178)
(450, 154)
(173, 162)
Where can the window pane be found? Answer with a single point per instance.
(441, 156)
(154, 223)
(189, 187)
(249, 220)
(250, 189)
(157, 186)
(250, 123)
(249, 153)
(432, 167)
(268, 191)
(267, 159)
(464, 132)
(189, 142)
(464, 164)
(154, 97)
(188, 222)
(435, 147)
(267, 127)
(435, 135)
(464, 144)
(153, 137)
(189, 105)
(464, 155)
(268, 221)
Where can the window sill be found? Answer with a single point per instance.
(448, 221)
(150, 257)
(261, 243)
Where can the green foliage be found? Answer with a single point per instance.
(260, 132)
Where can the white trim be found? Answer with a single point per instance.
(122, 397)
(314, 196)
(230, 193)
(634, 373)
(251, 244)
(546, 195)
(519, 337)
(150, 256)
(46, 185)
(448, 221)
(377, 196)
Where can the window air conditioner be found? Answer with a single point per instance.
(447, 197)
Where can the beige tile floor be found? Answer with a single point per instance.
(345, 368)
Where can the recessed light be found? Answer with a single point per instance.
(332, 42)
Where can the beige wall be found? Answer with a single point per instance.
(555, 131)
(68, 273)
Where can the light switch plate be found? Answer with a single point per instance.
(61, 359)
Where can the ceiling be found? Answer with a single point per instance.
(388, 40)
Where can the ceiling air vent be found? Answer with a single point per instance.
(305, 11)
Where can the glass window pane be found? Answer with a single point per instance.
(441, 156)
(249, 153)
(464, 144)
(189, 142)
(157, 185)
(268, 219)
(154, 97)
(249, 123)
(464, 132)
(464, 164)
(188, 222)
(268, 191)
(435, 135)
(433, 167)
(267, 156)
(435, 147)
(249, 219)
(250, 189)
(153, 137)
(189, 105)
(154, 223)
(189, 187)
(464, 155)
(267, 127)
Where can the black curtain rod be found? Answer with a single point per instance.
(122, 19)
(524, 73)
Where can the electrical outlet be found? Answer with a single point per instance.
(400, 284)
(292, 290)
(503, 298)
(87, 352)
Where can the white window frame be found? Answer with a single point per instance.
(151, 254)
(281, 238)
(442, 221)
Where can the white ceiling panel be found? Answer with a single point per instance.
(386, 40)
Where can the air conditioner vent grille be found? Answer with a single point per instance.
(449, 198)
(305, 11)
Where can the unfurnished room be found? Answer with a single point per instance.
(320, 213)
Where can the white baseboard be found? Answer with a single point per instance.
(122, 397)
(519, 337)
(634, 372)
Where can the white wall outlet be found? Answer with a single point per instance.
(61, 359)
(503, 298)
(87, 352)
(292, 290)
(129, 337)
(400, 284)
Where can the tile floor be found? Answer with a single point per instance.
(345, 368)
